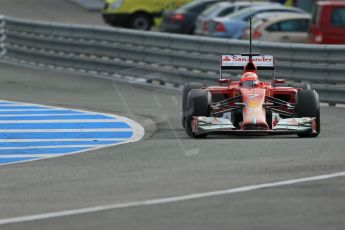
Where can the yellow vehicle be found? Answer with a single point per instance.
(137, 14)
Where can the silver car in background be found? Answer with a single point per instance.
(280, 27)
(219, 10)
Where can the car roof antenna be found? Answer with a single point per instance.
(250, 67)
(250, 40)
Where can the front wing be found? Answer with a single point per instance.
(201, 125)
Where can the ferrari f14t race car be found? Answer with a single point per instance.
(249, 106)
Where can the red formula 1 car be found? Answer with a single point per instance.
(250, 106)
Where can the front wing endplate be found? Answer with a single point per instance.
(299, 124)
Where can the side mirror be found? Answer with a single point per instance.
(222, 81)
(279, 81)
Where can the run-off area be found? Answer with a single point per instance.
(31, 132)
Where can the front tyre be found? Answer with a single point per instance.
(198, 104)
(308, 105)
(186, 89)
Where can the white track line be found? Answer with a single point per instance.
(72, 212)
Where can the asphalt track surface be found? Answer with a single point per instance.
(166, 163)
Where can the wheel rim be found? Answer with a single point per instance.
(141, 23)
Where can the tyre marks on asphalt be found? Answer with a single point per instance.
(31, 132)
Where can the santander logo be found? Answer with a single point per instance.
(246, 59)
(241, 60)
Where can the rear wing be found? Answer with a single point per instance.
(262, 62)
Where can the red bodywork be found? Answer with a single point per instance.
(254, 100)
(254, 114)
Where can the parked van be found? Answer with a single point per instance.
(137, 14)
(328, 23)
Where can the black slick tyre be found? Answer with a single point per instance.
(198, 104)
(308, 105)
(186, 89)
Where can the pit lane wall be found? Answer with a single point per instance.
(160, 57)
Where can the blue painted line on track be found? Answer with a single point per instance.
(40, 151)
(64, 135)
(52, 117)
(23, 107)
(54, 143)
(39, 112)
(7, 103)
(84, 125)
(51, 131)
(16, 159)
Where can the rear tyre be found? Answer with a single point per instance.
(141, 21)
(308, 105)
(198, 104)
(186, 89)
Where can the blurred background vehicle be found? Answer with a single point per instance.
(280, 27)
(137, 14)
(306, 5)
(183, 19)
(229, 18)
(328, 23)
(219, 10)
(234, 25)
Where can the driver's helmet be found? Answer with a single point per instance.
(249, 79)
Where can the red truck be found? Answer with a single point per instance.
(328, 23)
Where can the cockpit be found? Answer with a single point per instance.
(249, 79)
(249, 83)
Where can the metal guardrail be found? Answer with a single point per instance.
(176, 59)
(2, 37)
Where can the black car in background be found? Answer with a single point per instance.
(183, 19)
